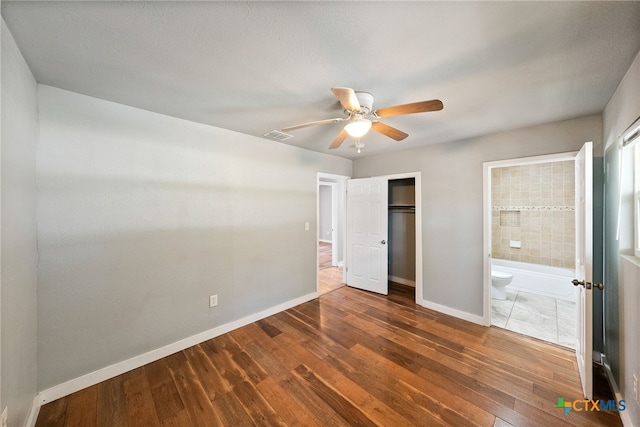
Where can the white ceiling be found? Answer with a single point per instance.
(257, 66)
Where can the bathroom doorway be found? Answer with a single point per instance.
(530, 236)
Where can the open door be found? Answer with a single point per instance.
(367, 253)
(584, 264)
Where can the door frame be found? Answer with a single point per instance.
(486, 214)
(334, 217)
(417, 178)
(339, 193)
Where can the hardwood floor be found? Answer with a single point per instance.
(325, 253)
(329, 278)
(347, 358)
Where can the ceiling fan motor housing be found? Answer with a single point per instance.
(365, 99)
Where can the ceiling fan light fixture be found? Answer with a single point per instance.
(358, 127)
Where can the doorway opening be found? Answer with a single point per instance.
(402, 236)
(530, 235)
(330, 239)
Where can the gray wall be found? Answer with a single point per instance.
(19, 243)
(142, 216)
(452, 199)
(621, 294)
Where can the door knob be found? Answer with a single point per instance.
(384, 242)
(587, 285)
(584, 284)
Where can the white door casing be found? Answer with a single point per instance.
(367, 229)
(584, 266)
(584, 249)
(339, 215)
(334, 224)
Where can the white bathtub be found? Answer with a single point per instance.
(538, 279)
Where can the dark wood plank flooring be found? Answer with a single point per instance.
(347, 358)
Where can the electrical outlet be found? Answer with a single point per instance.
(5, 416)
(213, 300)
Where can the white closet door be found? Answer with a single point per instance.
(367, 220)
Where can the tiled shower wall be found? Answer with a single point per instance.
(534, 205)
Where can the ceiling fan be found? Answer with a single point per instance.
(360, 116)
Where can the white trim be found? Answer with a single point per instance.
(624, 415)
(119, 368)
(632, 259)
(342, 179)
(631, 135)
(486, 215)
(546, 158)
(486, 242)
(332, 176)
(334, 221)
(334, 216)
(473, 318)
(33, 412)
(402, 281)
(417, 178)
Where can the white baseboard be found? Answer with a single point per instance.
(119, 368)
(402, 281)
(473, 318)
(624, 415)
(33, 412)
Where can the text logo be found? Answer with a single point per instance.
(589, 405)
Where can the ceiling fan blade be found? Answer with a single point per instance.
(416, 107)
(347, 98)
(339, 139)
(319, 122)
(389, 131)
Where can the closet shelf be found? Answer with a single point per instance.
(402, 205)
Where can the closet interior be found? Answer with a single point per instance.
(402, 234)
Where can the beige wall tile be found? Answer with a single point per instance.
(547, 236)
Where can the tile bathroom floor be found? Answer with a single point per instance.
(537, 316)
